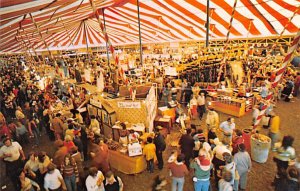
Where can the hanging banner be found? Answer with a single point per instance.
(129, 104)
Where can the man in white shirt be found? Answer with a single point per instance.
(201, 105)
(53, 179)
(227, 128)
(94, 182)
(12, 154)
(183, 87)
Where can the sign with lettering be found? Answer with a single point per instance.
(95, 103)
(129, 104)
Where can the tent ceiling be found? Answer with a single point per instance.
(68, 24)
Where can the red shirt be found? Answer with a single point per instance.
(69, 144)
(178, 170)
(15, 91)
(235, 142)
(4, 130)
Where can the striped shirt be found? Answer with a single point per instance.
(69, 170)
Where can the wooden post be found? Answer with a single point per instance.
(24, 47)
(207, 24)
(86, 38)
(140, 35)
(23, 43)
(40, 33)
(223, 62)
(107, 53)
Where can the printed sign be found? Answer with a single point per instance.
(129, 104)
(95, 103)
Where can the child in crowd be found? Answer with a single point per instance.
(149, 153)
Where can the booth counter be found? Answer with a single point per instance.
(234, 107)
(126, 164)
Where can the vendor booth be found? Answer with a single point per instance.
(137, 114)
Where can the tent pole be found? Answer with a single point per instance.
(38, 59)
(38, 30)
(86, 38)
(104, 23)
(140, 35)
(249, 27)
(25, 45)
(226, 46)
(207, 24)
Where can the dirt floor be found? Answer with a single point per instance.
(260, 177)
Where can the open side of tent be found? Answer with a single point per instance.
(69, 24)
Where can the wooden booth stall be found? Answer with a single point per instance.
(231, 103)
(136, 114)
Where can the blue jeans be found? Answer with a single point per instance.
(201, 185)
(177, 184)
(150, 165)
(71, 183)
(36, 134)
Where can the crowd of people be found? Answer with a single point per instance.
(218, 156)
(26, 116)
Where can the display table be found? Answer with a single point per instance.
(236, 107)
(165, 111)
(164, 122)
(125, 164)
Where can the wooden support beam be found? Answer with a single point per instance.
(31, 45)
(40, 33)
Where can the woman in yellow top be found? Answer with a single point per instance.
(149, 153)
(274, 129)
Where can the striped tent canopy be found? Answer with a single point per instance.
(70, 24)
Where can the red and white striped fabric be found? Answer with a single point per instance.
(161, 21)
(279, 73)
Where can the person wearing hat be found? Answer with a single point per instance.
(160, 144)
(274, 129)
(201, 166)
